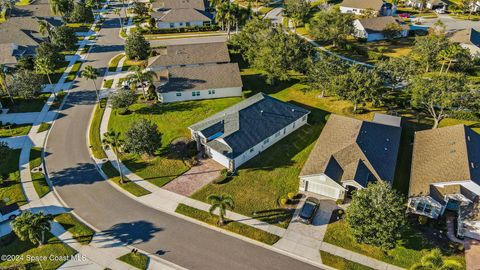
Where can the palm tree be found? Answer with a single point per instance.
(3, 83)
(226, 16)
(116, 11)
(90, 73)
(222, 202)
(54, 6)
(434, 261)
(45, 29)
(112, 139)
(43, 66)
(32, 226)
(140, 76)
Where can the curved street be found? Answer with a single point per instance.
(82, 188)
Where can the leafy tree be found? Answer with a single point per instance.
(27, 83)
(297, 10)
(46, 67)
(392, 31)
(467, 6)
(457, 55)
(4, 150)
(81, 14)
(143, 138)
(61, 7)
(4, 87)
(112, 140)
(122, 99)
(427, 48)
(226, 15)
(369, 13)
(320, 74)
(439, 94)
(91, 73)
(137, 47)
(222, 202)
(45, 29)
(140, 9)
(298, 52)
(247, 41)
(396, 70)
(376, 215)
(64, 37)
(32, 226)
(50, 52)
(141, 76)
(332, 26)
(25, 62)
(434, 261)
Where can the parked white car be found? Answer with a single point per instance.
(440, 11)
(9, 212)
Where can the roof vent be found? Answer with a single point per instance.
(452, 151)
(468, 138)
(472, 165)
(388, 140)
(261, 111)
(385, 148)
(293, 110)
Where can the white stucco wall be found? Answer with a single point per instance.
(357, 11)
(220, 158)
(164, 25)
(204, 94)
(321, 180)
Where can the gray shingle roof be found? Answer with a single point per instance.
(378, 24)
(465, 36)
(363, 4)
(181, 15)
(203, 77)
(190, 54)
(351, 149)
(173, 4)
(248, 123)
(443, 155)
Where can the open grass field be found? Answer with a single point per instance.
(234, 227)
(53, 247)
(38, 179)
(408, 251)
(139, 260)
(81, 232)
(11, 190)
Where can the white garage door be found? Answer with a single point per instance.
(322, 189)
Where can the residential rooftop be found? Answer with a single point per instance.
(176, 4)
(181, 15)
(465, 36)
(352, 149)
(248, 123)
(378, 24)
(363, 4)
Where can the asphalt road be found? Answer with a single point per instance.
(82, 188)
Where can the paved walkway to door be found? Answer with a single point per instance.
(195, 178)
(472, 253)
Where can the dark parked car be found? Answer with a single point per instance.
(309, 210)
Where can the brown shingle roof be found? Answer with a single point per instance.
(202, 77)
(444, 155)
(180, 15)
(378, 24)
(363, 4)
(172, 4)
(362, 150)
(190, 54)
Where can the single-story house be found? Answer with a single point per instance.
(351, 153)
(468, 39)
(244, 130)
(180, 13)
(445, 175)
(175, 4)
(372, 29)
(430, 4)
(189, 54)
(360, 7)
(199, 82)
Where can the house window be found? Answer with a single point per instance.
(188, 24)
(172, 25)
(211, 92)
(179, 94)
(181, 24)
(266, 141)
(196, 94)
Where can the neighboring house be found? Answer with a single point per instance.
(371, 29)
(360, 7)
(351, 153)
(431, 4)
(445, 175)
(468, 39)
(189, 54)
(199, 82)
(180, 13)
(475, 7)
(241, 132)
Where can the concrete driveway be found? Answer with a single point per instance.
(305, 240)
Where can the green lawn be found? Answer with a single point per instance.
(107, 83)
(23, 3)
(341, 263)
(408, 251)
(53, 247)
(95, 141)
(81, 232)
(130, 63)
(44, 127)
(172, 120)
(58, 100)
(14, 130)
(59, 72)
(22, 105)
(11, 191)
(114, 176)
(80, 27)
(38, 179)
(234, 227)
(138, 260)
(73, 72)
(112, 66)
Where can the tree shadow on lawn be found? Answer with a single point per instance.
(158, 108)
(274, 216)
(253, 83)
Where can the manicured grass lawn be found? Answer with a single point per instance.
(234, 227)
(408, 251)
(22, 105)
(130, 63)
(11, 190)
(23, 3)
(53, 247)
(112, 66)
(44, 127)
(95, 141)
(107, 84)
(39, 181)
(81, 232)
(73, 72)
(80, 27)
(172, 121)
(138, 260)
(58, 72)
(129, 186)
(341, 263)
(58, 100)
(14, 130)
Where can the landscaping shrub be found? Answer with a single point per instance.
(178, 30)
(466, 115)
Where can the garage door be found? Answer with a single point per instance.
(322, 189)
